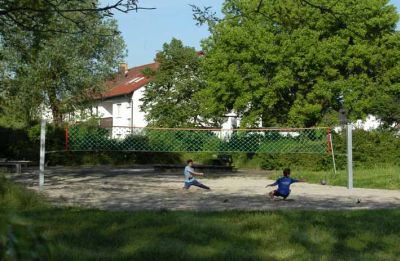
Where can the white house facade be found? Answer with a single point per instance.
(118, 108)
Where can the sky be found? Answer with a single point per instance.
(146, 31)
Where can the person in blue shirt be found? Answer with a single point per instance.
(189, 179)
(283, 185)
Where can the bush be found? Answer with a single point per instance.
(370, 148)
(15, 144)
(312, 162)
(18, 144)
(77, 158)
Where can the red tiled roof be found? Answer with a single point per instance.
(128, 83)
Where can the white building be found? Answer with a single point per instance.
(370, 123)
(119, 107)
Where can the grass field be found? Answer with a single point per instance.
(84, 234)
(297, 235)
(384, 177)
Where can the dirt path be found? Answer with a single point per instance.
(138, 189)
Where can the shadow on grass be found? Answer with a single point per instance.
(232, 235)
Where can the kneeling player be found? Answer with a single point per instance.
(189, 179)
(283, 185)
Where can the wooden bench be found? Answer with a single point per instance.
(17, 163)
(180, 167)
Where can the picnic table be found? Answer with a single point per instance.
(17, 163)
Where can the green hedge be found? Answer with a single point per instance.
(370, 149)
(76, 158)
(18, 144)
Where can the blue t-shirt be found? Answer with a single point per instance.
(284, 184)
(188, 174)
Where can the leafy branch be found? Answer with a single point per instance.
(34, 17)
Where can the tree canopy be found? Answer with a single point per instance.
(59, 71)
(171, 100)
(28, 15)
(297, 63)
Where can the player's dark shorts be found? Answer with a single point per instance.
(277, 194)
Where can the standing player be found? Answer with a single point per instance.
(189, 179)
(283, 185)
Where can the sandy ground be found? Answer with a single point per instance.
(141, 188)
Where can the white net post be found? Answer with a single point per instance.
(42, 152)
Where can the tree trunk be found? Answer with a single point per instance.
(55, 107)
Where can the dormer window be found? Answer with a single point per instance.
(136, 79)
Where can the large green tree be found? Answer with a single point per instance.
(60, 71)
(34, 15)
(171, 100)
(297, 63)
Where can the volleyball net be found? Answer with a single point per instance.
(273, 140)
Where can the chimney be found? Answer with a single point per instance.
(123, 68)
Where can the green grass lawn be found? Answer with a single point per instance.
(76, 234)
(385, 177)
(41, 231)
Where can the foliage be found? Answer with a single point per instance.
(169, 100)
(88, 136)
(370, 149)
(387, 108)
(15, 144)
(33, 16)
(200, 140)
(59, 71)
(291, 63)
(311, 162)
(18, 144)
(111, 158)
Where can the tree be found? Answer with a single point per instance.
(170, 100)
(386, 107)
(294, 62)
(60, 71)
(28, 15)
